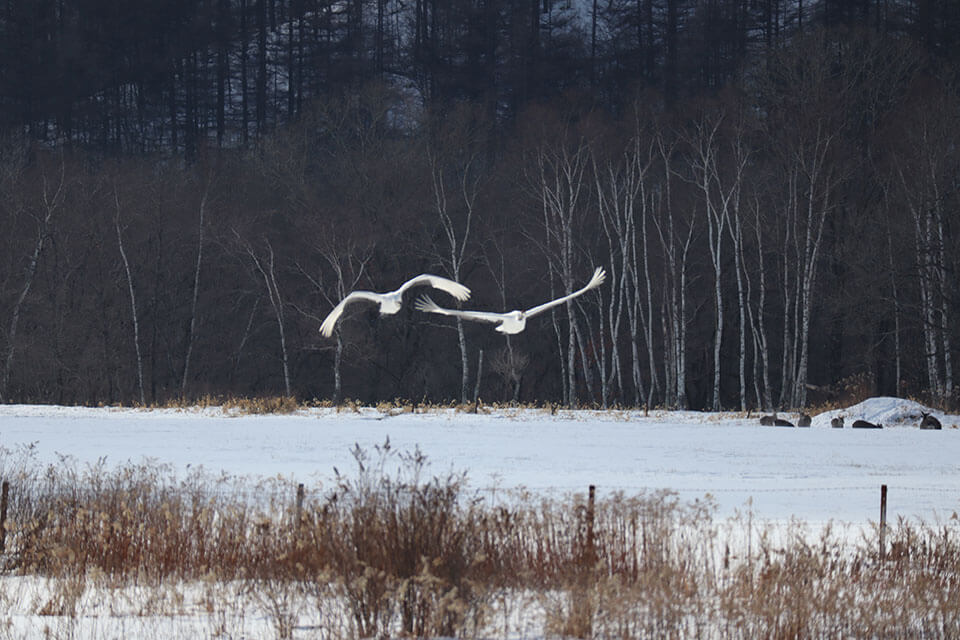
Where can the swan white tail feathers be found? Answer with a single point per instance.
(425, 303)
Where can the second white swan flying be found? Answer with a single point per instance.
(512, 321)
(392, 301)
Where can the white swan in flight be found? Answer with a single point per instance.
(512, 321)
(391, 301)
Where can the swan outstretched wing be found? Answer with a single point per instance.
(425, 303)
(452, 287)
(331, 320)
(599, 275)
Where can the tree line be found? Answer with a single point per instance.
(162, 75)
(768, 233)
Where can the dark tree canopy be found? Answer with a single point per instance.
(188, 187)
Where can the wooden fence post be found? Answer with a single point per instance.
(883, 519)
(4, 495)
(591, 554)
(300, 494)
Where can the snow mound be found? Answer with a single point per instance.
(887, 411)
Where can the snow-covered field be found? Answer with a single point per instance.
(816, 474)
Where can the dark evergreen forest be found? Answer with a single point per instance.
(187, 187)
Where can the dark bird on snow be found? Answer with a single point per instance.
(929, 421)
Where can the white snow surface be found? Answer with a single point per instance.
(817, 475)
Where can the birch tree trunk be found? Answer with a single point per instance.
(133, 299)
(924, 199)
(738, 159)
(787, 291)
(509, 362)
(192, 332)
(266, 268)
(807, 133)
(703, 143)
(818, 200)
(468, 184)
(736, 234)
(619, 189)
(348, 262)
(759, 323)
(247, 331)
(560, 180)
(608, 206)
(647, 320)
(676, 249)
(896, 310)
(52, 200)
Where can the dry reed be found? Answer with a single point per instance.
(391, 550)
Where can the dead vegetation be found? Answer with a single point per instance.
(391, 550)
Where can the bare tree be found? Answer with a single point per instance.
(559, 179)
(757, 313)
(265, 268)
(718, 174)
(614, 203)
(926, 174)
(739, 159)
(703, 145)
(51, 199)
(456, 230)
(192, 331)
(676, 242)
(509, 362)
(622, 191)
(347, 260)
(133, 297)
(812, 161)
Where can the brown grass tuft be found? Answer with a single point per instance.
(392, 551)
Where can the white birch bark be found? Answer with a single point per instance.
(619, 190)
(939, 278)
(676, 249)
(736, 233)
(267, 270)
(348, 262)
(509, 363)
(468, 184)
(52, 200)
(247, 331)
(647, 319)
(191, 335)
(894, 290)
(608, 207)
(924, 202)
(739, 159)
(787, 291)
(759, 323)
(822, 181)
(561, 177)
(133, 300)
(720, 192)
